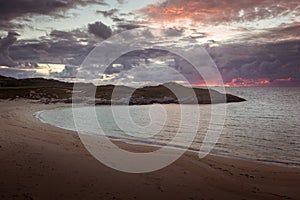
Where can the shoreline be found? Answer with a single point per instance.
(36, 156)
(157, 144)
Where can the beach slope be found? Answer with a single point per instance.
(39, 161)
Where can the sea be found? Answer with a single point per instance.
(264, 128)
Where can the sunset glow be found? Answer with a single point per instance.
(253, 43)
(241, 82)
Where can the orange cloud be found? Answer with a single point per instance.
(218, 11)
(243, 82)
(238, 82)
(186, 10)
(247, 82)
(283, 80)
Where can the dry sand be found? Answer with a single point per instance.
(39, 161)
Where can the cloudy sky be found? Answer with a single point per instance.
(253, 42)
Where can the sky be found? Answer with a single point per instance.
(252, 43)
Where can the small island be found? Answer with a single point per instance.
(54, 91)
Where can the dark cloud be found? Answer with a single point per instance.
(58, 47)
(108, 13)
(127, 26)
(272, 35)
(122, 23)
(173, 32)
(6, 25)
(32, 51)
(135, 61)
(135, 58)
(99, 29)
(121, 1)
(76, 35)
(121, 19)
(68, 72)
(13, 9)
(117, 19)
(271, 54)
(5, 44)
(279, 60)
(67, 51)
(240, 64)
(19, 73)
(127, 14)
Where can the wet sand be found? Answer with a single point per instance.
(39, 161)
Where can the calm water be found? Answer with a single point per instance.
(266, 127)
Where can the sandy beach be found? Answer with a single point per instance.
(39, 161)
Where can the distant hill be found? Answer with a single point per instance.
(53, 91)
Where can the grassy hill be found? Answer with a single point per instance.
(52, 91)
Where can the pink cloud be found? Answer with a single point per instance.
(220, 11)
